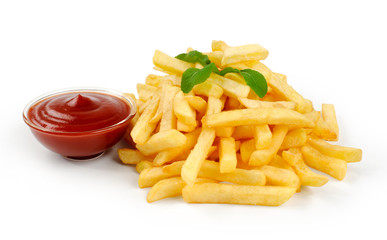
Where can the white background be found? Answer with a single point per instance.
(331, 51)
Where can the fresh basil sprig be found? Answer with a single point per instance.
(194, 57)
(193, 76)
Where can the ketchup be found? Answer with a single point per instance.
(80, 124)
(78, 112)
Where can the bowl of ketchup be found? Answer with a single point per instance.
(79, 124)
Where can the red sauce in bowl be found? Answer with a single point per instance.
(78, 112)
(79, 124)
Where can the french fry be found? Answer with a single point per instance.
(145, 91)
(262, 136)
(170, 187)
(280, 176)
(170, 64)
(198, 103)
(131, 156)
(246, 149)
(224, 131)
(264, 156)
(162, 141)
(194, 161)
(347, 154)
(143, 128)
(243, 53)
(216, 57)
(280, 86)
(237, 194)
(308, 178)
(208, 89)
(236, 77)
(172, 154)
(168, 119)
(279, 162)
(227, 155)
(335, 167)
(322, 130)
(243, 132)
(211, 170)
(153, 80)
(231, 88)
(150, 176)
(144, 164)
(183, 111)
(256, 117)
(182, 127)
(232, 104)
(329, 116)
(294, 138)
(218, 46)
(250, 103)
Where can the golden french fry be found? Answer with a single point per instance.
(130, 156)
(231, 88)
(236, 77)
(208, 89)
(140, 166)
(243, 132)
(237, 194)
(172, 154)
(224, 131)
(256, 117)
(168, 119)
(153, 80)
(294, 138)
(195, 159)
(246, 149)
(150, 176)
(170, 187)
(279, 162)
(162, 141)
(313, 116)
(347, 154)
(262, 136)
(198, 103)
(145, 91)
(280, 86)
(218, 46)
(335, 167)
(211, 170)
(264, 156)
(243, 53)
(280, 176)
(182, 127)
(216, 57)
(170, 64)
(308, 178)
(251, 103)
(322, 130)
(143, 128)
(232, 104)
(183, 111)
(227, 155)
(329, 115)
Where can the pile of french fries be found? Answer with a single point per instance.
(221, 143)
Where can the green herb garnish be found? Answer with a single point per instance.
(193, 76)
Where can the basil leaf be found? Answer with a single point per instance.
(255, 81)
(194, 57)
(187, 58)
(229, 70)
(194, 76)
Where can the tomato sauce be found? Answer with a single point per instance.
(80, 124)
(78, 112)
